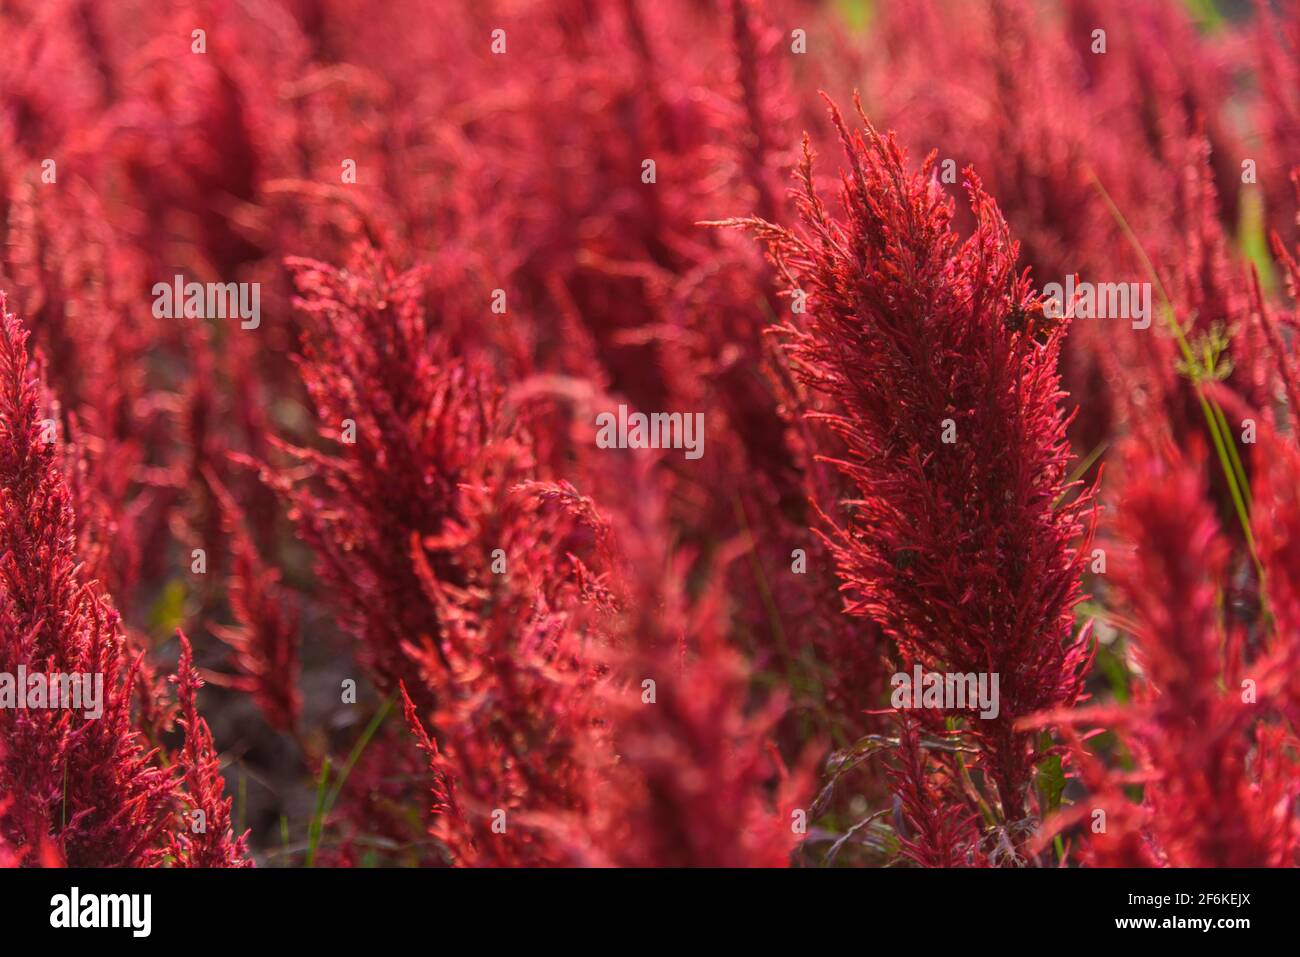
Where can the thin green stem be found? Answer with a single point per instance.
(1220, 434)
(318, 817)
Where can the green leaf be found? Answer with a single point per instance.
(168, 612)
(1111, 664)
(1050, 780)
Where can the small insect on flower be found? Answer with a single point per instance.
(1032, 320)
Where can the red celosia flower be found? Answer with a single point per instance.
(87, 785)
(1219, 783)
(205, 839)
(1277, 43)
(404, 427)
(450, 570)
(960, 547)
(699, 782)
(265, 640)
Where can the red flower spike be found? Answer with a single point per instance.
(205, 838)
(965, 550)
